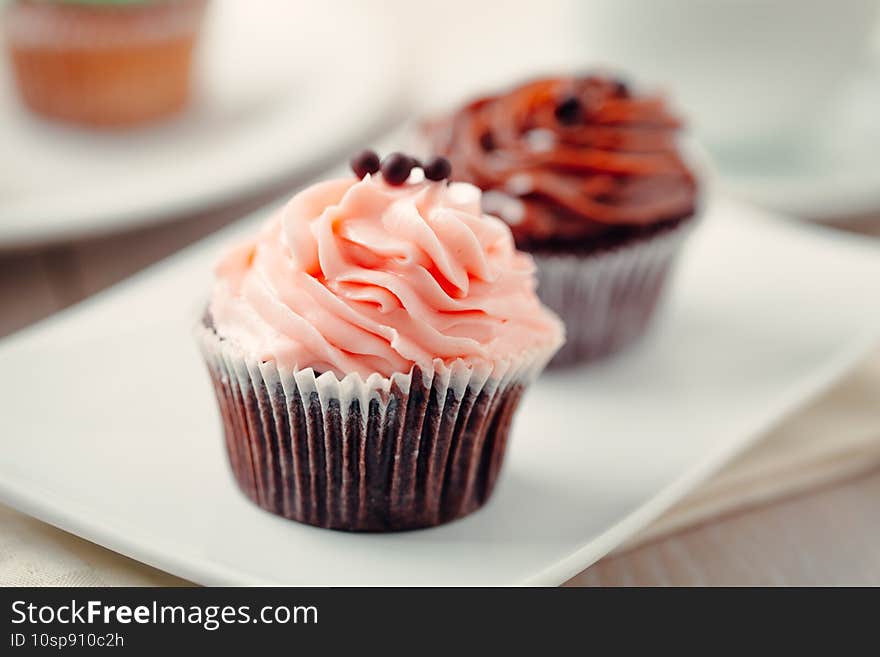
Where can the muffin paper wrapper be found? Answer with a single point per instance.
(381, 454)
(607, 299)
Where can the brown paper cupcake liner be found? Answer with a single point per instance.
(607, 299)
(381, 454)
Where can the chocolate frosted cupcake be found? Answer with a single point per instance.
(590, 178)
(103, 62)
(369, 347)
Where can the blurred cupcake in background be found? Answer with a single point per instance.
(590, 177)
(369, 347)
(103, 63)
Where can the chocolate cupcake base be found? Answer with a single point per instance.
(607, 299)
(386, 454)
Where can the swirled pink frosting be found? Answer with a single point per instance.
(360, 276)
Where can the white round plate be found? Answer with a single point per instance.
(281, 85)
(833, 173)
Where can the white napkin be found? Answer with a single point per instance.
(836, 437)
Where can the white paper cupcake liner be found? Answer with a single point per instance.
(45, 25)
(607, 299)
(382, 454)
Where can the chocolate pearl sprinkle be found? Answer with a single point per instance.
(487, 141)
(437, 168)
(621, 89)
(569, 111)
(364, 162)
(396, 168)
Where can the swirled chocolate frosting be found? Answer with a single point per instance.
(571, 163)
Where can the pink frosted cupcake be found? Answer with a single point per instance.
(368, 348)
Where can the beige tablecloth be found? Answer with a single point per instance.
(835, 437)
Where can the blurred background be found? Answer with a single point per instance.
(253, 98)
(216, 108)
(783, 94)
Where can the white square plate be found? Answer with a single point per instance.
(110, 429)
